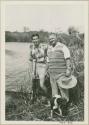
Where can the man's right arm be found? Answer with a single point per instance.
(30, 56)
(68, 62)
(30, 53)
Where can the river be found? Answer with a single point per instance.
(16, 65)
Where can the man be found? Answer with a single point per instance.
(58, 63)
(37, 54)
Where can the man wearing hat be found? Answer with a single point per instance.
(59, 67)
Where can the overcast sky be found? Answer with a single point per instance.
(49, 18)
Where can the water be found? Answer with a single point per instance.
(16, 65)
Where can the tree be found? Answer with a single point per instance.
(72, 31)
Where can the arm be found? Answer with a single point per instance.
(32, 60)
(68, 66)
(30, 56)
(30, 53)
(68, 62)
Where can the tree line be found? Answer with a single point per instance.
(24, 36)
(71, 38)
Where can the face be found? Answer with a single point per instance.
(35, 40)
(52, 40)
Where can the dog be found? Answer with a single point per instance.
(58, 105)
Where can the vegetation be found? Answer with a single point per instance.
(24, 36)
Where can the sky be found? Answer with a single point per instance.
(55, 18)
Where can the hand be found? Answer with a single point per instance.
(68, 72)
(38, 56)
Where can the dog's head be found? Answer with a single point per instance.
(58, 103)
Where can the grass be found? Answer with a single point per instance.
(20, 108)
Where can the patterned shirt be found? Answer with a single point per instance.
(38, 52)
(57, 58)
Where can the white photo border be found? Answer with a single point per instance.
(2, 85)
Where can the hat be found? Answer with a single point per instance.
(67, 82)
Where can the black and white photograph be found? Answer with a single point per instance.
(44, 66)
